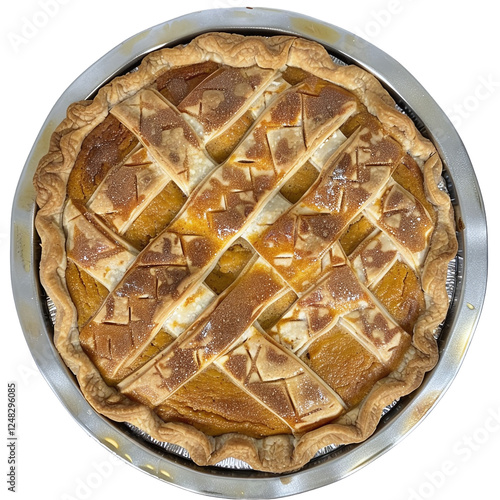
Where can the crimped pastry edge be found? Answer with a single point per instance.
(280, 453)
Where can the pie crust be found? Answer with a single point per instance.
(304, 257)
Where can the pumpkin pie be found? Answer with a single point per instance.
(247, 248)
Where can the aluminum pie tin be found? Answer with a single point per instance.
(457, 330)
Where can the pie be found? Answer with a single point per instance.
(247, 247)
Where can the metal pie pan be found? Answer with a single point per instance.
(457, 329)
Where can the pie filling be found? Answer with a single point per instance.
(245, 248)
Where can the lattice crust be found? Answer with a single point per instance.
(247, 249)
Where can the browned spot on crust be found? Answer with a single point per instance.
(288, 110)
(106, 146)
(322, 101)
(175, 84)
(221, 95)
(153, 125)
(404, 218)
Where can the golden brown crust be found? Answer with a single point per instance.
(274, 453)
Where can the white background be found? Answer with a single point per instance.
(450, 47)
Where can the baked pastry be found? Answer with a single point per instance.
(247, 249)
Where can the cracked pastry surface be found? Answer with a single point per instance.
(246, 247)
